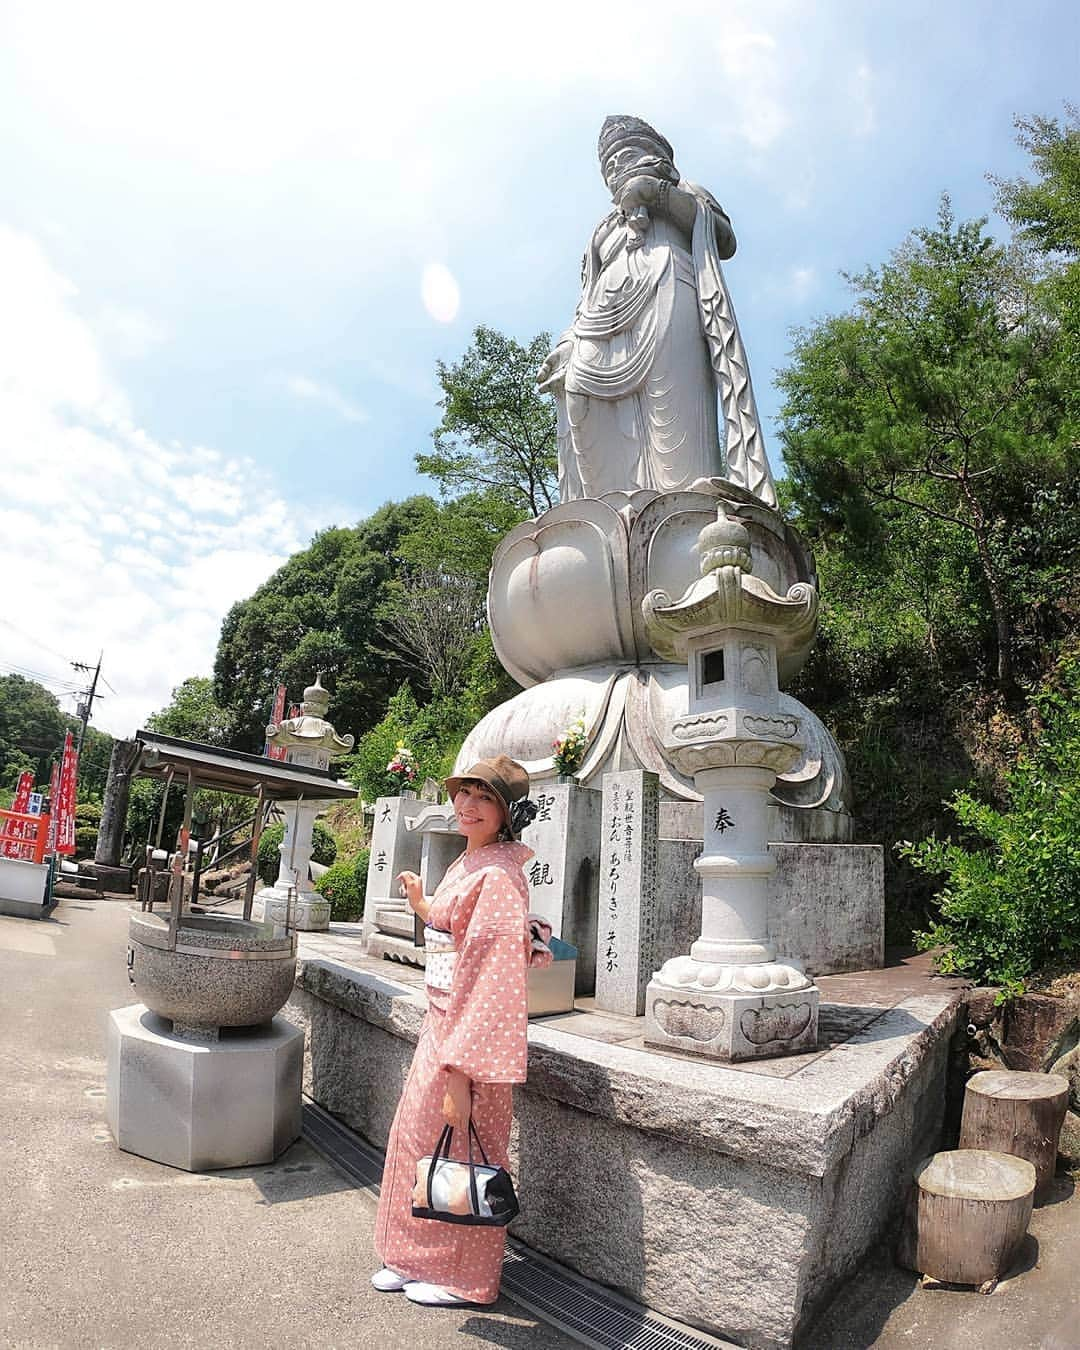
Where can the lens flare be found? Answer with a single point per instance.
(440, 293)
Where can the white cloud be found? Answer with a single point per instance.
(752, 65)
(113, 540)
(318, 391)
(128, 332)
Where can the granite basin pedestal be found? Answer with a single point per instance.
(198, 1106)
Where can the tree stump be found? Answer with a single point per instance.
(968, 1215)
(1019, 1113)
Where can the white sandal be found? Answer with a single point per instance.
(389, 1281)
(434, 1295)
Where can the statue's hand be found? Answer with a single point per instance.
(640, 191)
(553, 368)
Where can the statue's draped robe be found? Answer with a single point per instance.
(653, 337)
(479, 1028)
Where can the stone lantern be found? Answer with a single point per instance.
(312, 741)
(731, 998)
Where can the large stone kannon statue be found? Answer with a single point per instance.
(635, 377)
(645, 462)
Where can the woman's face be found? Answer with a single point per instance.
(479, 813)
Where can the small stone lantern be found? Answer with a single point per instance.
(731, 998)
(312, 741)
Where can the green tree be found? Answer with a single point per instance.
(32, 729)
(193, 714)
(319, 611)
(497, 434)
(1046, 211)
(933, 398)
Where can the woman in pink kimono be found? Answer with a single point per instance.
(472, 1045)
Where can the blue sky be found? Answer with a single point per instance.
(216, 221)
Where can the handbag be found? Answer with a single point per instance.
(475, 1193)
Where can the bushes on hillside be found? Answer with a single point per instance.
(432, 733)
(1011, 900)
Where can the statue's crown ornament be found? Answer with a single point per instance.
(622, 129)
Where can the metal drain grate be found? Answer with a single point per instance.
(338, 1144)
(587, 1312)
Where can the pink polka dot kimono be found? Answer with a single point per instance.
(478, 1027)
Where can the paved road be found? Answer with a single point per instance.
(104, 1250)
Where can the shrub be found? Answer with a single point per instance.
(87, 825)
(432, 733)
(324, 849)
(1011, 900)
(345, 885)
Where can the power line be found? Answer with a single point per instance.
(39, 676)
(30, 638)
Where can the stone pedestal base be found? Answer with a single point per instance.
(731, 1026)
(234, 1102)
(309, 912)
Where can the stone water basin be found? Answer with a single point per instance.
(224, 971)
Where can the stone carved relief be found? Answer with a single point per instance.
(695, 1021)
(754, 669)
(782, 1022)
(699, 724)
(760, 725)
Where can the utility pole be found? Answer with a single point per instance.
(86, 708)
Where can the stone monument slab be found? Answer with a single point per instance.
(562, 875)
(627, 922)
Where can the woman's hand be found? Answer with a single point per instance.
(457, 1104)
(414, 894)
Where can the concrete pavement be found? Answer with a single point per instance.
(104, 1250)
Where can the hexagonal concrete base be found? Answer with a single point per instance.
(731, 1026)
(232, 1103)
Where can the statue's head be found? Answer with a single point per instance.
(628, 147)
(316, 699)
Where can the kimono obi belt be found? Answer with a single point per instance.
(440, 959)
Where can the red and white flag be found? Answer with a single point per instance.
(18, 829)
(54, 790)
(277, 751)
(64, 805)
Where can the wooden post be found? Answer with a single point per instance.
(1019, 1113)
(969, 1212)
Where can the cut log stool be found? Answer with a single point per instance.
(1018, 1113)
(968, 1215)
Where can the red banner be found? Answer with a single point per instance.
(277, 751)
(54, 790)
(17, 829)
(64, 806)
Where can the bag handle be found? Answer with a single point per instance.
(442, 1152)
(442, 1149)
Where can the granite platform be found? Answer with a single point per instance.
(734, 1198)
